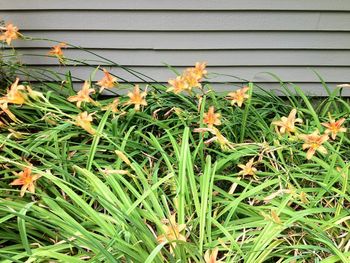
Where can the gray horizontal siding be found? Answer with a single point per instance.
(179, 20)
(311, 5)
(189, 57)
(239, 38)
(192, 40)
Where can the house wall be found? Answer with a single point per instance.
(237, 38)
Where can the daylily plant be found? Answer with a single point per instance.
(149, 164)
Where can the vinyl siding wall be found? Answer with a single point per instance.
(240, 38)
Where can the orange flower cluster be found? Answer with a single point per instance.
(84, 119)
(313, 142)
(190, 78)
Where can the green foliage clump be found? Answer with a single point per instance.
(177, 174)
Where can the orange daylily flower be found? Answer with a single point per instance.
(334, 127)
(172, 231)
(238, 96)
(137, 98)
(287, 124)
(84, 121)
(83, 95)
(199, 70)
(57, 51)
(210, 257)
(27, 180)
(112, 106)
(14, 95)
(107, 82)
(191, 79)
(314, 142)
(248, 168)
(224, 143)
(210, 118)
(11, 33)
(177, 85)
